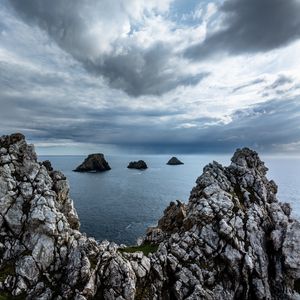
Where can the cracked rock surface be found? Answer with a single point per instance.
(232, 240)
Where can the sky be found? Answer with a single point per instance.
(151, 76)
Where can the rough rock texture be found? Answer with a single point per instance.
(233, 240)
(94, 163)
(140, 165)
(174, 161)
(171, 222)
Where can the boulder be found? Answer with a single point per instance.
(140, 165)
(47, 165)
(174, 161)
(94, 163)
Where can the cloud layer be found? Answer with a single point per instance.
(250, 26)
(107, 38)
(113, 75)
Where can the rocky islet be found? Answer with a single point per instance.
(139, 165)
(94, 163)
(174, 161)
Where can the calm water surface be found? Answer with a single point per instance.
(120, 204)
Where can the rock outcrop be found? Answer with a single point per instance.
(232, 240)
(174, 161)
(94, 163)
(140, 165)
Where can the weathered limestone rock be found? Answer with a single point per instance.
(236, 240)
(140, 165)
(232, 240)
(94, 163)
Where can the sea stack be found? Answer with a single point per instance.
(140, 165)
(174, 161)
(94, 163)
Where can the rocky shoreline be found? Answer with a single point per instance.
(232, 240)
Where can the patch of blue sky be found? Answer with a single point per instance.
(190, 12)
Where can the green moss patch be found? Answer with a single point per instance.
(7, 269)
(7, 296)
(145, 248)
(93, 262)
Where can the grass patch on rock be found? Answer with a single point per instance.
(145, 248)
(6, 270)
(7, 296)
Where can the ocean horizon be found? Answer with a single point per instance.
(120, 204)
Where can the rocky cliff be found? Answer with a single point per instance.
(232, 240)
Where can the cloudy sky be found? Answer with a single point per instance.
(157, 76)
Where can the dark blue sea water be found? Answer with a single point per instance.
(120, 204)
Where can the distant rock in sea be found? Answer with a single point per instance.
(232, 240)
(174, 161)
(94, 163)
(140, 165)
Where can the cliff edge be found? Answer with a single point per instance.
(232, 240)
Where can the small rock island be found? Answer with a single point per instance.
(94, 163)
(140, 165)
(174, 161)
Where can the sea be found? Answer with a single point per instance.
(120, 204)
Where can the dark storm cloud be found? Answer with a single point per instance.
(252, 127)
(251, 26)
(135, 70)
(143, 72)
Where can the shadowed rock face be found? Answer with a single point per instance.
(47, 165)
(94, 163)
(174, 161)
(232, 240)
(140, 165)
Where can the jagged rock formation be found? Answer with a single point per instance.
(171, 222)
(174, 161)
(233, 240)
(94, 163)
(140, 165)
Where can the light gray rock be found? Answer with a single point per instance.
(27, 268)
(232, 240)
(43, 251)
(291, 249)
